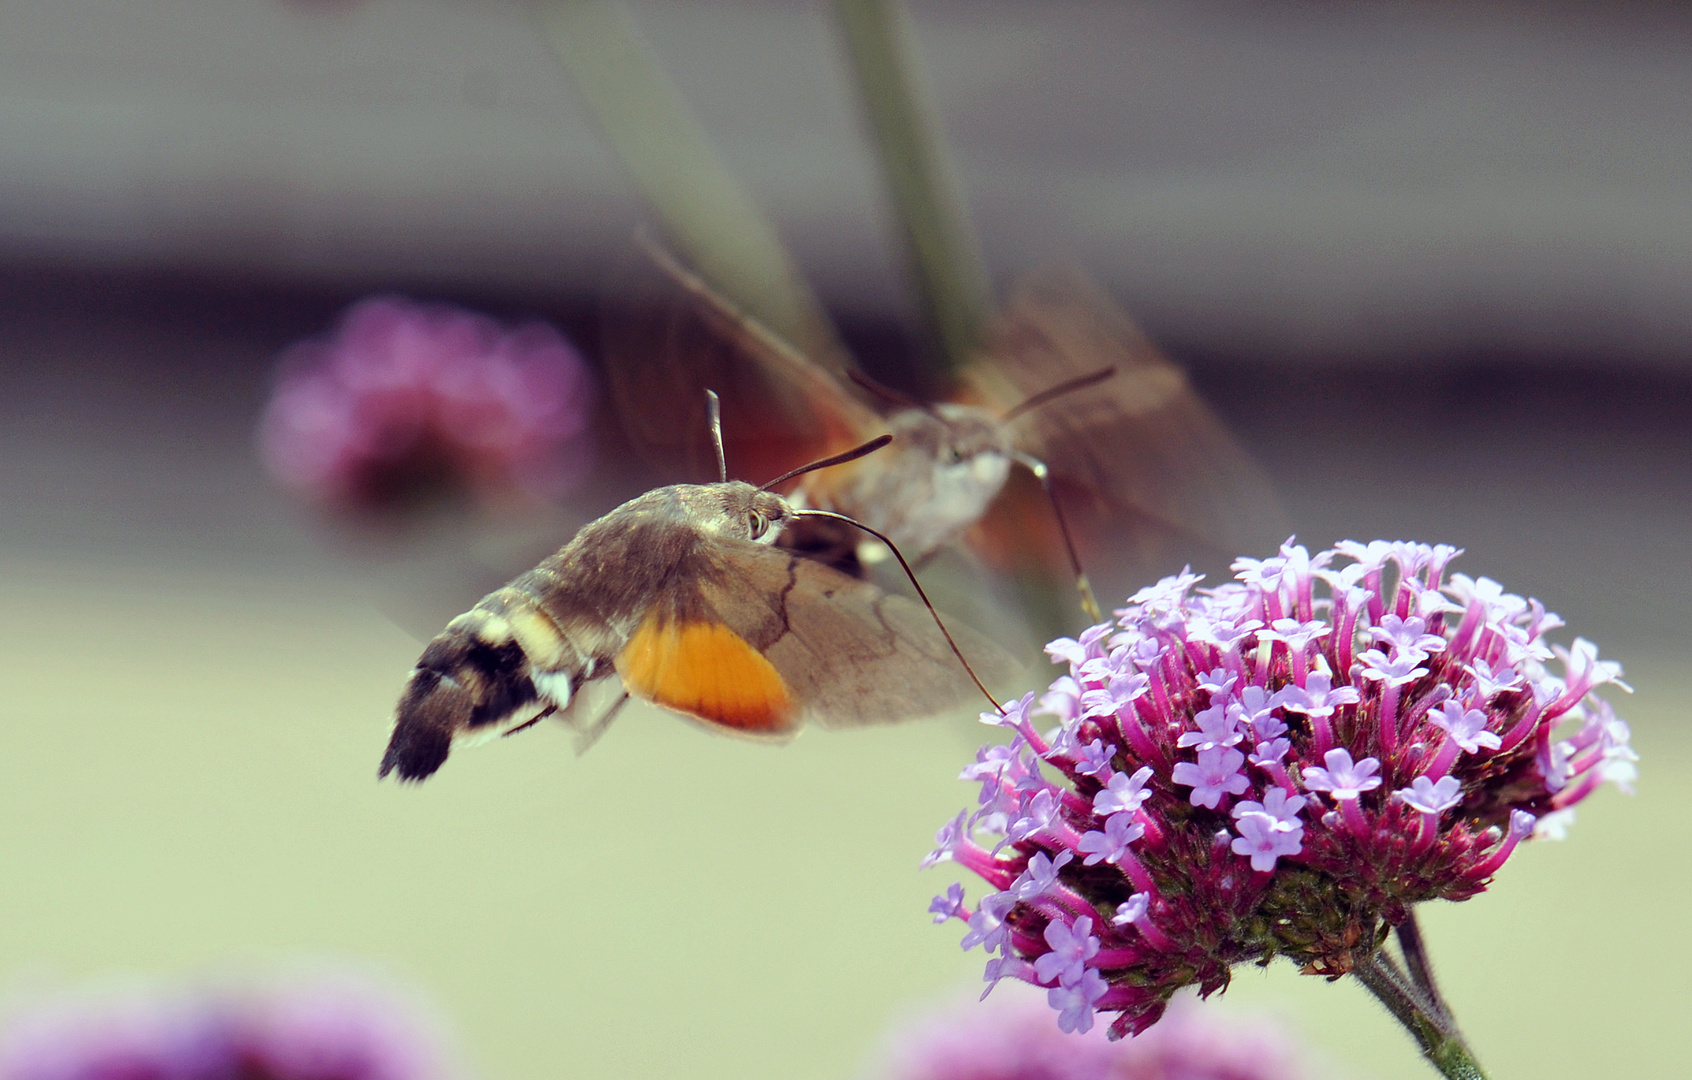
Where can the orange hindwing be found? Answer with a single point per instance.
(707, 671)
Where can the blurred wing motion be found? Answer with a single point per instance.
(667, 338)
(675, 593)
(945, 464)
(1136, 453)
(1141, 442)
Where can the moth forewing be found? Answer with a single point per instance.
(917, 490)
(667, 337)
(1143, 441)
(850, 653)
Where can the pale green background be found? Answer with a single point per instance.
(187, 783)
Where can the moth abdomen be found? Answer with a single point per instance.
(478, 678)
(431, 710)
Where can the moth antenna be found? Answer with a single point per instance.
(888, 394)
(714, 412)
(909, 573)
(839, 459)
(1051, 392)
(586, 739)
(1089, 602)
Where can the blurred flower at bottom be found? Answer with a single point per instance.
(1010, 1036)
(334, 1026)
(407, 404)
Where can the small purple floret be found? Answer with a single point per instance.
(1263, 840)
(1279, 807)
(1072, 947)
(949, 906)
(1431, 796)
(1124, 793)
(1216, 774)
(1075, 1002)
(1342, 778)
(1467, 727)
(1112, 843)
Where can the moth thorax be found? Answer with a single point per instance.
(959, 494)
(921, 502)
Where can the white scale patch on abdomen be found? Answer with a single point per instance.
(554, 687)
(959, 494)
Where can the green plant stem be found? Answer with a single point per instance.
(1426, 1021)
(1418, 965)
(700, 206)
(943, 252)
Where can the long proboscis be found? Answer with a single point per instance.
(838, 459)
(1051, 393)
(1089, 602)
(917, 585)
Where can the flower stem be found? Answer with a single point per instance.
(944, 254)
(1422, 1015)
(1416, 962)
(701, 207)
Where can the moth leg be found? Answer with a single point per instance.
(531, 722)
(587, 738)
(1089, 602)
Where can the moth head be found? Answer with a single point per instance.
(968, 442)
(743, 512)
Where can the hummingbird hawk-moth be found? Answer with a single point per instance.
(1064, 384)
(682, 595)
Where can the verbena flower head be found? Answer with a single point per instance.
(335, 1028)
(1281, 765)
(1012, 1038)
(406, 401)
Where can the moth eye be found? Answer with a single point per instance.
(953, 455)
(756, 524)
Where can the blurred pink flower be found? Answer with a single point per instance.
(327, 1028)
(406, 402)
(1011, 1036)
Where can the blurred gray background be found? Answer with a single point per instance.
(1289, 180)
(1432, 263)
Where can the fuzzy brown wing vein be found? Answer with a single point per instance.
(850, 653)
(1143, 439)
